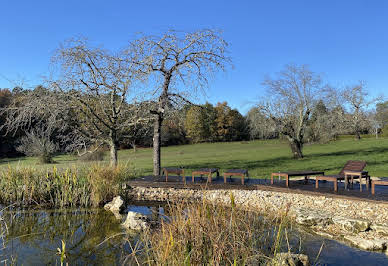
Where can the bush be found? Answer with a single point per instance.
(38, 143)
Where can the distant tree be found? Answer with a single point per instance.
(358, 101)
(319, 123)
(230, 124)
(7, 143)
(179, 65)
(173, 128)
(259, 125)
(291, 98)
(30, 110)
(195, 124)
(382, 114)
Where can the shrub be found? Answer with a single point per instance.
(38, 143)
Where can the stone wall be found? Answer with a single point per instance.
(362, 223)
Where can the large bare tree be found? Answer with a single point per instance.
(358, 101)
(291, 97)
(98, 85)
(179, 66)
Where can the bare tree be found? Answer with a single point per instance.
(97, 84)
(291, 97)
(357, 99)
(260, 126)
(179, 65)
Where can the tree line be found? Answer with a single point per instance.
(145, 95)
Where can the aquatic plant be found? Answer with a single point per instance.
(205, 233)
(62, 188)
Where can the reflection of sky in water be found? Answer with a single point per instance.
(34, 237)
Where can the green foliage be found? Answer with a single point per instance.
(230, 124)
(221, 123)
(384, 132)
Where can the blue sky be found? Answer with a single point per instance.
(344, 40)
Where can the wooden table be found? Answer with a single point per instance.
(287, 175)
(236, 172)
(178, 171)
(205, 171)
(378, 182)
(357, 174)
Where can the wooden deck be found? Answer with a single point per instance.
(296, 186)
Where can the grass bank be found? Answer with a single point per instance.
(261, 158)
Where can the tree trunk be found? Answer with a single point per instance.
(358, 135)
(296, 148)
(157, 143)
(113, 149)
(134, 146)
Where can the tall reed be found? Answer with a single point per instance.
(61, 188)
(208, 234)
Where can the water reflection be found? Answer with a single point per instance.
(94, 236)
(34, 236)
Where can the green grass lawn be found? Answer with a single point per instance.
(261, 158)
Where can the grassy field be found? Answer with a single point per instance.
(259, 157)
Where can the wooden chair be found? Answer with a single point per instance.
(352, 169)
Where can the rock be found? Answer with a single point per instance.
(380, 228)
(352, 225)
(290, 259)
(136, 221)
(368, 244)
(311, 217)
(116, 205)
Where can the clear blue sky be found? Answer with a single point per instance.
(344, 40)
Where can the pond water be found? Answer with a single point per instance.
(94, 236)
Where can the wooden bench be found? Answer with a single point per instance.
(378, 182)
(236, 172)
(205, 171)
(351, 170)
(178, 171)
(287, 175)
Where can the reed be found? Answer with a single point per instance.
(205, 233)
(62, 188)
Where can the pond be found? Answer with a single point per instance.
(94, 236)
